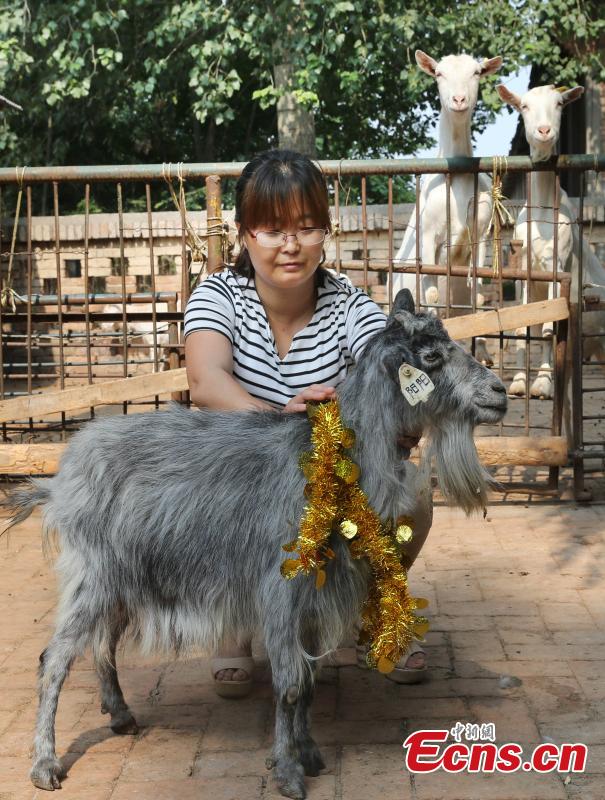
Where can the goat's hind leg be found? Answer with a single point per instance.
(112, 699)
(71, 637)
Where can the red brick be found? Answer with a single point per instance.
(464, 786)
(371, 771)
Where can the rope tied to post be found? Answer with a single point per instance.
(500, 214)
(8, 294)
(196, 242)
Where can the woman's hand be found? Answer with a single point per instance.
(317, 392)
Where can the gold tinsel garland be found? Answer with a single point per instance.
(336, 503)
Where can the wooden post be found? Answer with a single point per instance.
(174, 361)
(214, 223)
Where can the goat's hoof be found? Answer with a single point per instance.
(311, 759)
(47, 773)
(541, 388)
(517, 388)
(124, 724)
(290, 779)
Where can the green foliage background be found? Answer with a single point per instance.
(124, 81)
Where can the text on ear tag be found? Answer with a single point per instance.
(415, 384)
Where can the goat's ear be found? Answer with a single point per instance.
(403, 301)
(569, 95)
(426, 63)
(403, 318)
(491, 65)
(509, 97)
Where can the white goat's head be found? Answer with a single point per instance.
(458, 79)
(541, 111)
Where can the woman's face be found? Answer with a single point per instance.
(290, 265)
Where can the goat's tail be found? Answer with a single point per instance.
(21, 502)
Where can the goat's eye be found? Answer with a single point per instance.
(523, 107)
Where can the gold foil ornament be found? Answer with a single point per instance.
(348, 437)
(348, 529)
(335, 502)
(404, 534)
(290, 568)
(347, 470)
(385, 665)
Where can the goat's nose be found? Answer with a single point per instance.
(498, 386)
(544, 130)
(459, 99)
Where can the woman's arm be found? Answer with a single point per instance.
(209, 361)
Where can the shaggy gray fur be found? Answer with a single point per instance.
(171, 525)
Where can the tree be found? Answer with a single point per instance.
(139, 80)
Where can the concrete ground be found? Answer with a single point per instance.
(517, 609)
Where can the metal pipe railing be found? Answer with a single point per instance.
(378, 166)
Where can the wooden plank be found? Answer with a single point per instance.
(507, 319)
(97, 394)
(81, 397)
(525, 451)
(551, 451)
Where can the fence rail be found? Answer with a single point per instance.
(59, 319)
(331, 168)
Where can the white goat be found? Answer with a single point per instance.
(458, 83)
(541, 111)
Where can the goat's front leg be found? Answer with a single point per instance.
(309, 754)
(518, 386)
(481, 352)
(430, 283)
(294, 751)
(287, 762)
(295, 754)
(543, 386)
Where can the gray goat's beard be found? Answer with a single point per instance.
(462, 478)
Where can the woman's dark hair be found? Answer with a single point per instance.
(273, 188)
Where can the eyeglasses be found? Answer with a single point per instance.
(306, 237)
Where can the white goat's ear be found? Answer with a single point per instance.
(509, 97)
(569, 95)
(491, 65)
(426, 63)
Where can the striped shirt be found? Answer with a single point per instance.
(344, 319)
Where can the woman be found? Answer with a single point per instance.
(277, 330)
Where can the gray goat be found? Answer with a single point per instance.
(171, 525)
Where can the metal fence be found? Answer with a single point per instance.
(91, 327)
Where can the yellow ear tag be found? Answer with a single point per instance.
(415, 384)
(421, 602)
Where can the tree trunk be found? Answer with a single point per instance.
(295, 124)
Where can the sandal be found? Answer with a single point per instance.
(401, 674)
(232, 688)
